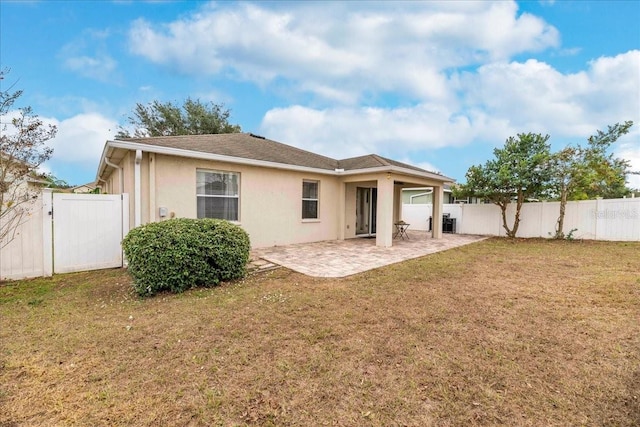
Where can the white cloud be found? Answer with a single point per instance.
(77, 146)
(497, 101)
(346, 132)
(535, 97)
(424, 165)
(340, 50)
(87, 56)
(78, 143)
(99, 67)
(81, 138)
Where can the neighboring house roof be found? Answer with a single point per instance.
(253, 149)
(90, 186)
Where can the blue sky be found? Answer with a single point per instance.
(435, 84)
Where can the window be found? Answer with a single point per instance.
(217, 194)
(309, 199)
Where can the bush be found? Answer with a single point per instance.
(179, 254)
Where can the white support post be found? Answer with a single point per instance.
(342, 194)
(438, 196)
(384, 226)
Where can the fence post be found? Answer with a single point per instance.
(47, 231)
(597, 218)
(543, 211)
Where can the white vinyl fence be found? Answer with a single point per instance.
(65, 233)
(605, 219)
(23, 256)
(418, 215)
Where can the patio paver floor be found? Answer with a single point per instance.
(340, 258)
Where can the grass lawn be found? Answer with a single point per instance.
(524, 333)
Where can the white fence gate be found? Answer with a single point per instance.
(87, 231)
(66, 233)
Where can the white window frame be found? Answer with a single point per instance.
(236, 196)
(311, 199)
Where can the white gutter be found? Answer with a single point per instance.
(400, 170)
(137, 203)
(120, 173)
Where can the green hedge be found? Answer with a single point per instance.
(179, 254)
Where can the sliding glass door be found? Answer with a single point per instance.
(366, 213)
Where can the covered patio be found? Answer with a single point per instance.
(373, 203)
(340, 258)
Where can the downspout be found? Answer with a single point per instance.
(137, 197)
(120, 173)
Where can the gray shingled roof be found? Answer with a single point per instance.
(373, 161)
(249, 146)
(242, 145)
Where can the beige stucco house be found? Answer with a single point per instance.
(278, 193)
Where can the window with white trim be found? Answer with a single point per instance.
(310, 199)
(217, 194)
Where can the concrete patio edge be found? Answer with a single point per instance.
(341, 258)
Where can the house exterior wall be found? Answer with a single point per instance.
(270, 205)
(270, 199)
(82, 189)
(420, 199)
(419, 196)
(425, 197)
(112, 184)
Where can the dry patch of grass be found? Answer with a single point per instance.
(499, 332)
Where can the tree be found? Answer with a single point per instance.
(192, 118)
(579, 173)
(517, 173)
(22, 151)
(51, 181)
(607, 176)
(566, 167)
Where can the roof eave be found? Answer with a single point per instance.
(102, 165)
(400, 170)
(207, 156)
(126, 145)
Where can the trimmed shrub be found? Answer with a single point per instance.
(179, 254)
